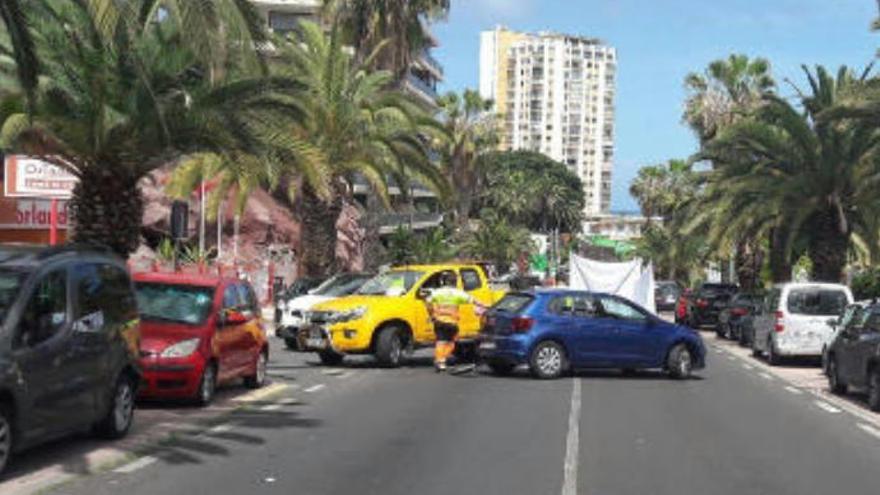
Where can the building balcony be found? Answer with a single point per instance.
(390, 222)
(430, 64)
(420, 88)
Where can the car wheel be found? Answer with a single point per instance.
(465, 352)
(120, 415)
(207, 385)
(773, 358)
(501, 369)
(291, 343)
(389, 347)
(834, 384)
(547, 360)
(680, 363)
(874, 390)
(5, 437)
(258, 379)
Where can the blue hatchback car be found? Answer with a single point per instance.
(553, 331)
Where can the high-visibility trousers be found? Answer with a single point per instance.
(445, 343)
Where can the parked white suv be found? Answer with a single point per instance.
(794, 319)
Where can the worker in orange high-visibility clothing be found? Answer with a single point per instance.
(444, 306)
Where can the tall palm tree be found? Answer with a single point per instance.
(110, 111)
(472, 131)
(786, 169)
(362, 127)
(396, 28)
(21, 45)
(725, 91)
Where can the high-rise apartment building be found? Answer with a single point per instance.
(284, 16)
(555, 95)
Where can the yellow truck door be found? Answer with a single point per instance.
(474, 284)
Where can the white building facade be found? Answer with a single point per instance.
(555, 94)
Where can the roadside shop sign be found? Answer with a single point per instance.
(30, 214)
(28, 177)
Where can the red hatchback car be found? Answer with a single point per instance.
(197, 332)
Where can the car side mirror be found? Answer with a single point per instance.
(424, 293)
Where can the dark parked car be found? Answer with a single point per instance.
(731, 316)
(666, 294)
(854, 355)
(552, 331)
(707, 303)
(68, 345)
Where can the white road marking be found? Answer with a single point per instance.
(747, 367)
(314, 388)
(220, 428)
(569, 483)
(765, 375)
(793, 390)
(826, 407)
(134, 466)
(870, 430)
(271, 407)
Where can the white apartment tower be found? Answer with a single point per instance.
(555, 95)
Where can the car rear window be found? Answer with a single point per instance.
(513, 303)
(825, 302)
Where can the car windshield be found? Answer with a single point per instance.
(824, 302)
(10, 285)
(186, 304)
(340, 285)
(396, 283)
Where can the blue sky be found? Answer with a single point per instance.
(658, 43)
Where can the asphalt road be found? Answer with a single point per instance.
(362, 430)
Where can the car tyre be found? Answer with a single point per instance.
(501, 368)
(389, 347)
(834, 384)
(547, 360)
(207, 386)
(773, 357)
(874, 389)
(6, 436)
(291, 343)
(680, 362)
(120, 414)
(330, 358)
(258, 379)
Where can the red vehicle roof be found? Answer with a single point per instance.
(181, 279)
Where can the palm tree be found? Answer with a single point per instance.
(472, 131)
(110, 111)
(725, 91)
(497, 240)
(787, 171)
(21, 45)
(395, 29)
(362, 127)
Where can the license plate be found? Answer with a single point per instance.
(487, 345)
(314, 343)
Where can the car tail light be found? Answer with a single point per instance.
(778, 326)
(522, 324)
(739, 311)
(702, 303)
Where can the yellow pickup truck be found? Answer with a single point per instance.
(388, 317)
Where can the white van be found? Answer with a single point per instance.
(794, 319)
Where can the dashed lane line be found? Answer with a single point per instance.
(793, 390)
(747, 367)
(315, 388)
(134, 466)
(870, 430)
(821, 404)
(765, 375)
(271, 407)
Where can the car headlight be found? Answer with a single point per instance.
(349, 315)
(181, 349)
